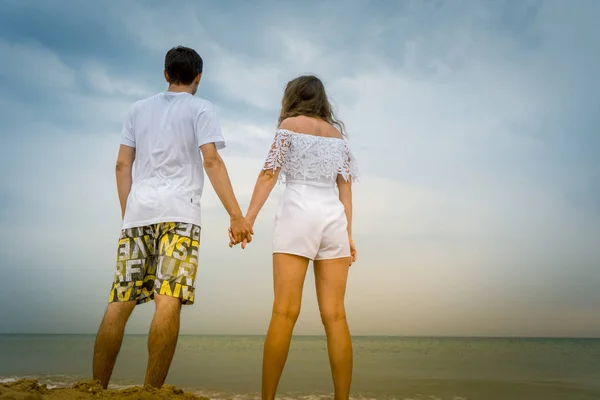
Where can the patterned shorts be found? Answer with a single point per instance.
(160, 258)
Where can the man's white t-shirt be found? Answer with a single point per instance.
(167, 130)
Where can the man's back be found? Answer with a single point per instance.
(168, 142)
(167, 130)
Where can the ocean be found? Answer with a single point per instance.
(228, 367)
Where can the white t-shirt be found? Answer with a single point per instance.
(167, 130)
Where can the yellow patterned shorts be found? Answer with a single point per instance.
(160, 258)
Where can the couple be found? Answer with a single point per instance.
(174, 137)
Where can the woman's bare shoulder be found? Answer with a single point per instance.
(310, 126)
(293, 123)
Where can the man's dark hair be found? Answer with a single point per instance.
(183, 65)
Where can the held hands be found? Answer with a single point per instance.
(240, 231)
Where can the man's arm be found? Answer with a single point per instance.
(219, 178)
(123, 169)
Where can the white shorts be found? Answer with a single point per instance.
(311, 222)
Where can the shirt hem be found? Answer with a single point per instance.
(128, 143)
(138, 224)
(219, 142)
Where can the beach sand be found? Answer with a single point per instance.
(28, 389)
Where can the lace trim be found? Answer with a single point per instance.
(279, 150)
(309, 157)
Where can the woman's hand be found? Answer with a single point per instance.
(353, 252)
(245, 240)
(232, 241)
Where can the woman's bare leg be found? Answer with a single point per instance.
(330, 279)
(289, 272)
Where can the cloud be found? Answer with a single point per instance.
(246, 80)
(103, 83)
(35, 64)
(474, 124)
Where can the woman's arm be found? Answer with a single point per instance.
(262, 189)
(267, 178)
(345, 195)
(348, 175)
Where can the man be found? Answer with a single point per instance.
(172, 136)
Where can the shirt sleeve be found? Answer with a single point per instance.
(127, 134)
(279, 151)
(350, 168)
(208, 128)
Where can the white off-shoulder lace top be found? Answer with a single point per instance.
(310, 158)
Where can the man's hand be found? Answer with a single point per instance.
(240, 231)
(244, 239)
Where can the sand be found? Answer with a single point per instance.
(28, 389)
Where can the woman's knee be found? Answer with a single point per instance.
(288, 311)
(331, 315)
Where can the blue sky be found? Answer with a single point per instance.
(476, 124)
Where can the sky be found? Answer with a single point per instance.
(475, 124)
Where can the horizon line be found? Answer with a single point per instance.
(321, 335)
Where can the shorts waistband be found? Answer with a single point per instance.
(310, 183)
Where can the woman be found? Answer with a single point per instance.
(314, 222)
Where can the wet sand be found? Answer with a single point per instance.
(28, 389)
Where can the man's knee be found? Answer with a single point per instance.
(119, 311)
(167, 304)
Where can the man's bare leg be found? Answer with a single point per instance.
(162, 341)
(109, 339)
